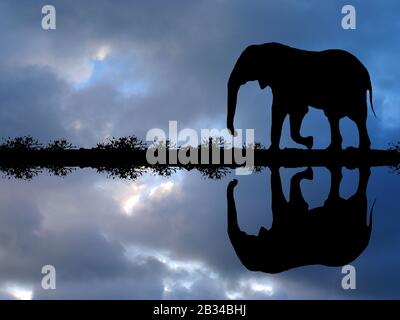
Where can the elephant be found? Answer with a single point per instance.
(332, 235)
(334, 81)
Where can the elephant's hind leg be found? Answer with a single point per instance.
(296, 119)
(360, 118)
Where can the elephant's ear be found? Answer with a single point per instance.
(263, 83)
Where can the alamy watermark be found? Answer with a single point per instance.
(49, 278)
(238, 150)
(349, 18)
(49, 18)
(349, 280)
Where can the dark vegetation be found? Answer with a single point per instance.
(125, 157)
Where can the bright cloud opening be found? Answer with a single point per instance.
(102, 53)
(19, 292)
(162, 189)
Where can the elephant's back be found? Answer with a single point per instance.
(340, 60)
(336, 74)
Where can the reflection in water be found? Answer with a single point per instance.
(128, 172)
(332, 235)
(126, 158)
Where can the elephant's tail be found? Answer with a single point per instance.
(370, 216)
(369, 88)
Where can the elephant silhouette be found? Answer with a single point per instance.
(332, 235)
(332, 80)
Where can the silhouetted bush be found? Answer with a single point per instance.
(59, 171)
(164, 171)
(394, 146)
(259, 146)
(123, 172)
(58, 145)
(20, 144)
(122, 144)
(214, 173)
(20, 172)
(214, 142)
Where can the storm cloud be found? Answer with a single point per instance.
(116, 68)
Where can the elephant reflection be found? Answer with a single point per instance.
(332, 235)
(334, 81)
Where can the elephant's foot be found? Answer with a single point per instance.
(334, 147)
(274, 148)
(308, 174)
(232, 130)
(365, 171)
(364, 146)
(305, 141)
(263, 232)
(232, 184)
(308, 142)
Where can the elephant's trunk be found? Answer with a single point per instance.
(233, 88)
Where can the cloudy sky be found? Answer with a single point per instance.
(115, 68)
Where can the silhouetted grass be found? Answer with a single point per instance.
(395, 147)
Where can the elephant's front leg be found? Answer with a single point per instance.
(279, 113)
(279, 205)
(336, 137)
(296, 118)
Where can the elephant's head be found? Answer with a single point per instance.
(249, 67)
(247, 247)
